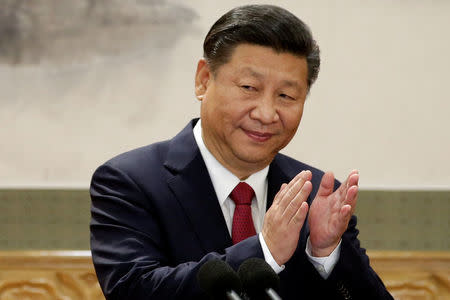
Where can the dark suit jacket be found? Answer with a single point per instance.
(156, 220)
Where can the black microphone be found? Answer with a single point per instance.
(258, 279)
(219, 280)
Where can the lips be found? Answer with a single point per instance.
(258, 136)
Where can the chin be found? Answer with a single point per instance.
(256, 158)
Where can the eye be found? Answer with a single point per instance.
(284, 96)
(248, 87)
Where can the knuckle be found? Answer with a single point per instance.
(293, 205)
(298, 218)
(289, 194)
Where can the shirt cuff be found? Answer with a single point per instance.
(268, 256)
(324, 265)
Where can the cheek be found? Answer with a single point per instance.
(232, 119)
(291, 119)
(234, 110)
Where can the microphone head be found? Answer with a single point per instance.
(216, 277)
(256, 276)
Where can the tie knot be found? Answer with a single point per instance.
(242, 194)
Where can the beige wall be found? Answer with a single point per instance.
(381, 102)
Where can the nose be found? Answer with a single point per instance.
(265, 110)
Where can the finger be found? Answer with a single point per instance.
(287, 187)
(292, 190)
(344, 215)
(348, 199)
(297, 202)
(351, 197)
(351, 180)
(284, 188)
(300, 216)
(342, 189)
(278, 196)
(345, 211)
(326, 185)
(354, 172)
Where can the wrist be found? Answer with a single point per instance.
(323, 252)
(271, 247)
(268, 256)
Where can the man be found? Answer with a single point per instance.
(161, 211)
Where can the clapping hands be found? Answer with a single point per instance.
(328, 218)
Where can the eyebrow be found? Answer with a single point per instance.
(257, 75)
(290, 83)
(252, 72)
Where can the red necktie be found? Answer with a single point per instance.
(242, 227)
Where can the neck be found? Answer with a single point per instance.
(240, 169)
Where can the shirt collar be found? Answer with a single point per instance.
(222, 179)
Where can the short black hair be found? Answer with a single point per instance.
(263, 25)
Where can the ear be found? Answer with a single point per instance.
(202, 77)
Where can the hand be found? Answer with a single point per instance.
(284, 219)
(330, 213)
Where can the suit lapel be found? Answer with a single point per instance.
(278, 174)
(194, 191)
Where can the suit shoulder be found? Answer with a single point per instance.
(145, 157)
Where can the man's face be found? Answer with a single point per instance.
(251, 106)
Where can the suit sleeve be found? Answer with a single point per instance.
(352, 276)
(129, 249)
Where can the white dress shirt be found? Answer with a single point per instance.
(224, 182)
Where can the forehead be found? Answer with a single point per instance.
(258, 61)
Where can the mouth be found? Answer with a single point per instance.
(258, 136)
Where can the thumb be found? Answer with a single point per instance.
(326, 184)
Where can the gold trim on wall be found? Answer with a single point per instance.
(69, 275)
(411, 275)
(52, 275)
